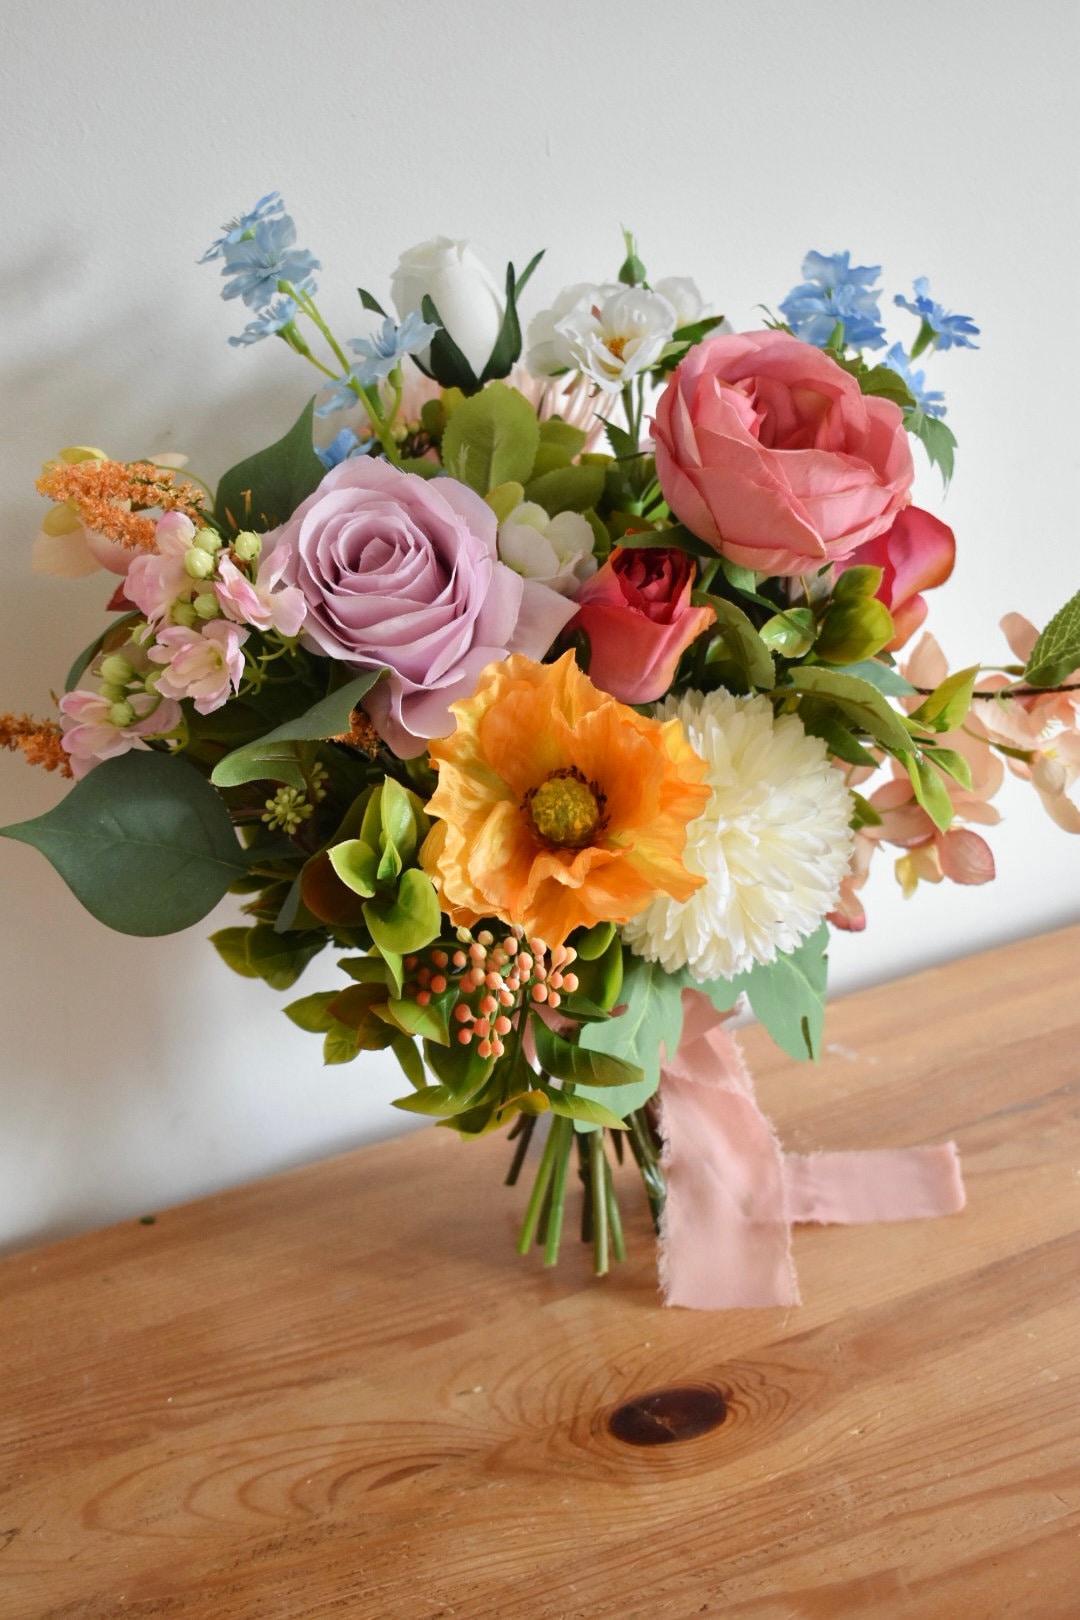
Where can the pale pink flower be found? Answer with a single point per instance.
(1044, 726)
(206, 665)
(929, 855)
(158, 579)
(256, 602)
(91, 733)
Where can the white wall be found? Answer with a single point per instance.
(934, 137)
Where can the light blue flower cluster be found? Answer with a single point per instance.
(235, 229)
(272, 319)
(831, 291)
(949, 330)
(259, 254)
(341, 447)
(262, 258)
(379, 355)
(931, 401)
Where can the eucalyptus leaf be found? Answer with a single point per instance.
(788, 995)
(652, 1020)
(143, 842)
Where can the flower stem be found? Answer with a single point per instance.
(536, 1198)
(562, 1132)
(599, 1188)
(614, 1218)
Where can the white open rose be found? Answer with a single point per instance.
(615, 340)
(469, 302)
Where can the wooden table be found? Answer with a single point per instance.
(340, 1393)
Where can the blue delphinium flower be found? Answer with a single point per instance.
(339, 449)
(930, 401)
(234, 229)
(833, 290)
(255, 265)
(342, 394)
(386, 349)
(266, 323)
(949, 330)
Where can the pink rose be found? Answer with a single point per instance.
(768, 450)
(636, 613)
(402, 572)
(916, 554)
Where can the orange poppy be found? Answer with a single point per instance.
(558, 807)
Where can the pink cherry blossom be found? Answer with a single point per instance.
(1044, 727)
(206, 665)
(257, 602)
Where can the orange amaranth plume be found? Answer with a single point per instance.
(38, 739)
(111, 497)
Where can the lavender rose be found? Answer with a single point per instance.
(402, 572)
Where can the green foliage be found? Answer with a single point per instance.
(504, 498)
(937, 440)
(788, 995)
(400, 909)
(930, 790)
(853, 629)
(790, 633)
(1056, 653)
(857, 699)
(739, 644)
(578, 1064)
(143, 842)
(231, 946)
(491, 439)
(948, 704)
(887, 679)
(567, 489)
(279, 959)
(653, 1019)
(410, 919)
(274, 758)
(266, 488)
(114, 635)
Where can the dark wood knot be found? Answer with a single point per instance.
(664, 1416)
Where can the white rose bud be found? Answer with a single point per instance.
(469, 302)
(682, 294)
(556, 551)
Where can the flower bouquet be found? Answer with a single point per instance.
(563, 700)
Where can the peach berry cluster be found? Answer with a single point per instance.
(494, 981)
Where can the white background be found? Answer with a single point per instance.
(934, 138)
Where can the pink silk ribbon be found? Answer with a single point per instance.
(733, 1194)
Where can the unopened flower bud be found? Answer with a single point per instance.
(116, 670)
(113, 692)
(150, 681)
(206, 605)
(121, 714)
(247, 546)
(198, 564)
(208, 540)
(183, 613)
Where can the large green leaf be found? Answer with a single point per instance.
(861, 701)
(788, 995)
(566, 1060)
(143, 842)
(273, 757)
(491, 439)
(653, 1019)
(1056, 654)
(266, 488)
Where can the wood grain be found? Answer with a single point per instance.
(340, 1393)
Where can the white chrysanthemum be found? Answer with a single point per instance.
(773, 843)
